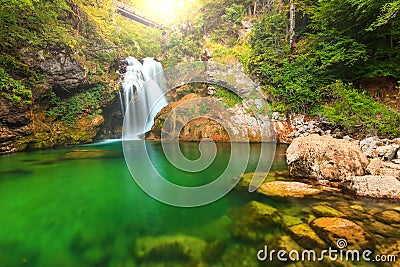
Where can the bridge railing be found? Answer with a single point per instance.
(136, 12)
(129, 8)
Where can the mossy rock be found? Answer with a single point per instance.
(169, 248)
(89, 154)
(245, 179)
(288, 221)
(254, 221)
(285, 243)
(214, 251)
(287, 189)
(241, 255)
(326, 211)
(392, 248)
(306, 236)
(388, 216)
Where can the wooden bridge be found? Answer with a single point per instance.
(136, 15)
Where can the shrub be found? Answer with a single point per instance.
(352, 107)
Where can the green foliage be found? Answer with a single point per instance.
(30, 22)
(356, 38)
(269, 48)
(240, 53)
(13, 90)
(72, 109)
(234, 14)
(182, 46)
(352, 107)
(228, 97)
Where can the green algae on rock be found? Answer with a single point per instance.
(326, 211)
(306, 237)
(254, 221)
(167, 248)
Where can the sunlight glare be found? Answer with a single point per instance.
(167, 11)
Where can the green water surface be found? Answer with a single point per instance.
(64, 209)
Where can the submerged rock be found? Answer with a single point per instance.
(214, 251)
(240, 255)
(388, 217)
(373, 186)
(332, 229)
(288, 221)
(325, 158)
(254, 221)
(245, 179)
(326, 211)
(287, 189)
(89, 154)
(392, 249)
(382, 229)
(306, 236)
(169, 248)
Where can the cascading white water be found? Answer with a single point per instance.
(143, 86)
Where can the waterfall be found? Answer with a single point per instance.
(143, 86)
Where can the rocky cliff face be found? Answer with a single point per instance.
(196, 119)
(28, 126)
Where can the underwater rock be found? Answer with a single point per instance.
(325, 158)
(388, 217)
(94, 248)
(254, 221)
(332, 229)
(169, 248)
(287, 189)
(306, 237)
(326, 211)
(285, 243)
(89, 154)
(240, 255)
(245, 179)
(288, 221)
(391, 249)
(214, 251)
(382, 229)
(373, 186)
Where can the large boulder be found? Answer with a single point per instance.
(333, 229)
(325, 158)
(378, 167)
(373, 186)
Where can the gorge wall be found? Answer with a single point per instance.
(31, 124)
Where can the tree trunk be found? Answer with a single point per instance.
(292, 25)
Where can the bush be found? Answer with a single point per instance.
(72, 109)
(13, 90)
(352, 107)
